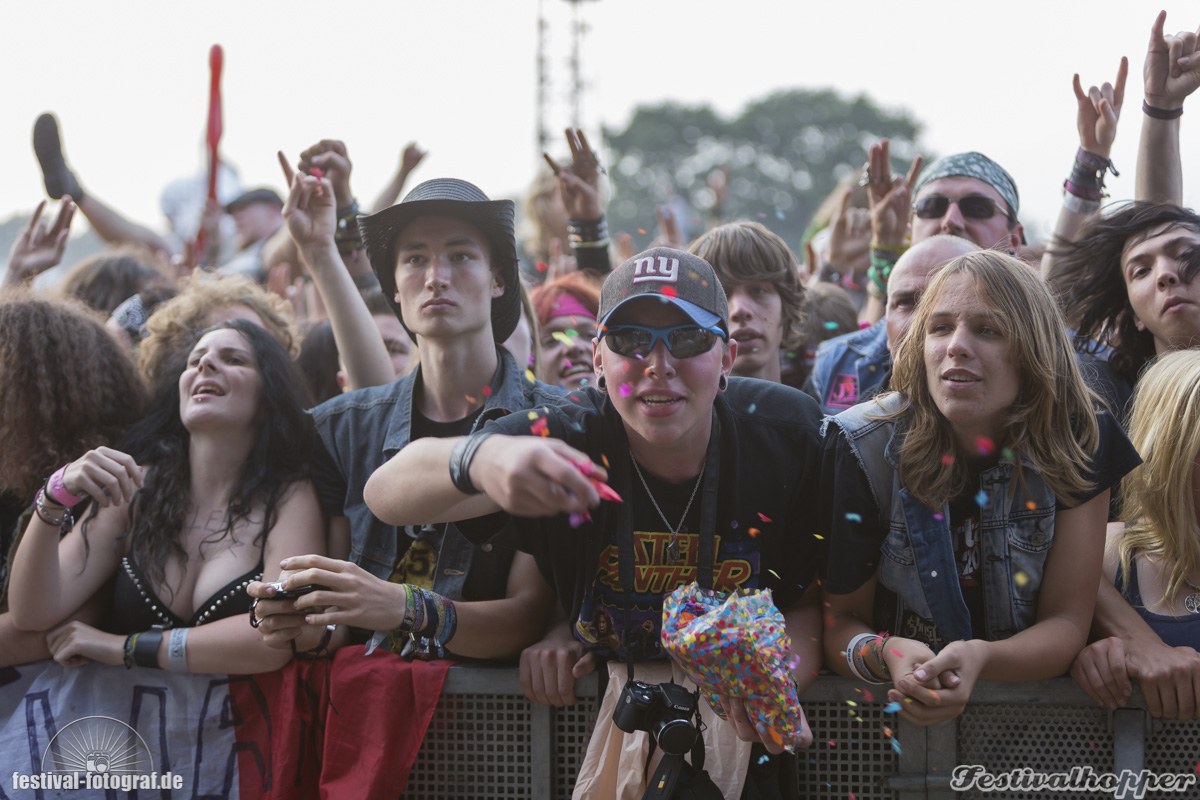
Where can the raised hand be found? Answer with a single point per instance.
(579, 183)
(311, 208)
(850, 237)
(411, 157)
(1172, 68)
(1099, 110)
(889, 198)
(37, 249)
(330, 157)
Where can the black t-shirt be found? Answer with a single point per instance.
(857, 526)
(766, 514)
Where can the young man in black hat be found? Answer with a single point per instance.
(713, 470)
(446, 260)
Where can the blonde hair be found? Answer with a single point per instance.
(1051, 425)
(171, 329)
(1157, 497)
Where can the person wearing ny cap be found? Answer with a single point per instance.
(446, 259)
(704, 463)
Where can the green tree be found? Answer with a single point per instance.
(784, 154)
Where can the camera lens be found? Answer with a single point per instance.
(675, 735)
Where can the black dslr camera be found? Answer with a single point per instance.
(665, 710)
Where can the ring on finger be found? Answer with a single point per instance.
(254, 620)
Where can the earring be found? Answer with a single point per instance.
(602, 383)
(723, 383)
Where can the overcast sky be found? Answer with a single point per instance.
(129, 81)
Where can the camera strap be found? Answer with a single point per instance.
(706, 556)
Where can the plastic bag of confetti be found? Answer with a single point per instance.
(737, 645)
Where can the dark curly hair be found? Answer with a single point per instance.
(1089, 286)
(280, 454)
(66, 386)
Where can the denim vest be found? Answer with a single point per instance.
(363, 429)
(917, 560)
(851, 368)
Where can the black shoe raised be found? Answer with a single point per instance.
(48, 147)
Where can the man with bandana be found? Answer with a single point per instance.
(967, 195)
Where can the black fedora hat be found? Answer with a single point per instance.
(449, 197)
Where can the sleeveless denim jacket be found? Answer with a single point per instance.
(917, 560)
(363, 429)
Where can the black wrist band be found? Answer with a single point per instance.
(460, 462)
(1161, 113)
(145, 649)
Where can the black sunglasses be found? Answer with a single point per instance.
(972, 206)
(683, 341)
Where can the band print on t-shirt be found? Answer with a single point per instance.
(602, 615)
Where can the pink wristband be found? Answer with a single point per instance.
(58, 490)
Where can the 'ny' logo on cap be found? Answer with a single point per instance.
(656, 268)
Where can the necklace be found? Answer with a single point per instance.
(1192, 601)
(673, 545)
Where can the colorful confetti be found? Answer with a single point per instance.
(540, 428)
(753, 407)
(981, 499)
(736, 645)
(753, 532)
(947, 459)
(763, 517)
(984, 446)
(1020, 579)
(625, 390)
(1007, 454)
(641, 231)
(891, 708)
(1032, 506)
(852, 517)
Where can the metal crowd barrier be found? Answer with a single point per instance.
(487, 741)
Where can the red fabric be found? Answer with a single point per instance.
(350, 728)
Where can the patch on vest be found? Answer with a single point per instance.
(843, 393)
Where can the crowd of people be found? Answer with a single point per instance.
(397, 433)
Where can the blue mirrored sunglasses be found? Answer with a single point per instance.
(683, 341)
